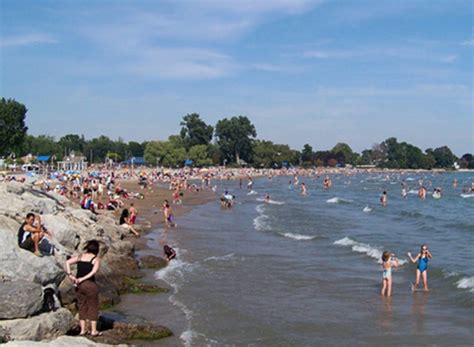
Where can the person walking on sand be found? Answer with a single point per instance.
(389, 261)
(422, 268)
(87, 291)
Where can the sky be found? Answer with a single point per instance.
(303, 71)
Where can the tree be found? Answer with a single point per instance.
(72, 142)
(344, 153)
(234, 137)
(41, 145)
(164, 153)
(199, 155)
(195, 131)
(98, 147)
(307, 154)
(444, 157)
(12, 126)
(135, 149)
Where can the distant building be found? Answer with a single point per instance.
(73, 162)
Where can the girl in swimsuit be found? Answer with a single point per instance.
(389, 261)
(422, 268)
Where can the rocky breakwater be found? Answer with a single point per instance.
(24, 276)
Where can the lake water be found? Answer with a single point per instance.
(306, 270)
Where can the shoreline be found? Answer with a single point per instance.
(151, 305)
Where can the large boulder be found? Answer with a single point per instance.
(63, 341)
(20, 299)
(44, 326)
(65, 231)
(18, 263)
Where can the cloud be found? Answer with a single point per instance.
(451, 58)
(468, 43)
(27, 40)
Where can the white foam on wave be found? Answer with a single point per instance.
(465, 196)
(367, 209)
(261, 222)
(413, 191)
(298, 237)
(187, 337)
(337, 200)
(466, 283)
(252, 192)
(173, 275)
(409, 179)
(220, 258)
(359, 247)
(273, 202)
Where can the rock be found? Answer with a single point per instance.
(152, 262)
(20, 299)
(63, 341)
(15, 187)
(130, 331)
(18, 263)
(45, 326)
(64, 230)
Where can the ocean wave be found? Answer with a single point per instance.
(187, 337)
(261, 223)
(273, 202)
(359, 247)
(466, 283)
(337, 200)
(465, 196)
(219, 258)
(298, 237)
(252, 192)
(367, 209)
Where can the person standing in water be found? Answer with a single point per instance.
(303, 189)
(267, 198)
(389, 261)
(422, 268)
(383, 199)
(422, 192)
(404, 192)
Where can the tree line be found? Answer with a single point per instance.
(232, 141)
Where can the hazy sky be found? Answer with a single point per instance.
(317, 72)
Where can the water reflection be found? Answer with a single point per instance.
(420, 299)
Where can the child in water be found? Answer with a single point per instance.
(422, 268)
(389, 261)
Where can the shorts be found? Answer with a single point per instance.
(28, 244)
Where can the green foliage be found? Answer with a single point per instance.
(344, 153)
(269, 155)
(195, 131)
(199, 155)
(443, 157)
(72, 142)
(41, 145)
(307, 155)
(234, 137)
(165, 154)
(12, 126)
(136, 149)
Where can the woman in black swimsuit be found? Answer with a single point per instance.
(87, 291)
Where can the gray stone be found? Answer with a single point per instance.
(20, 299)
(18, 263)
(63, 341)
(45, 326)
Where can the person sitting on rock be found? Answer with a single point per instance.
(30, 235)
(125, 222)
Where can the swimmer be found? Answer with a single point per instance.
(422, 193)
(267, 198)
(303, 189)
(404, 192)
(290, 187)
(170, 253)
(383, 199)
(250, 184)
(422, 268)
(389, 261)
